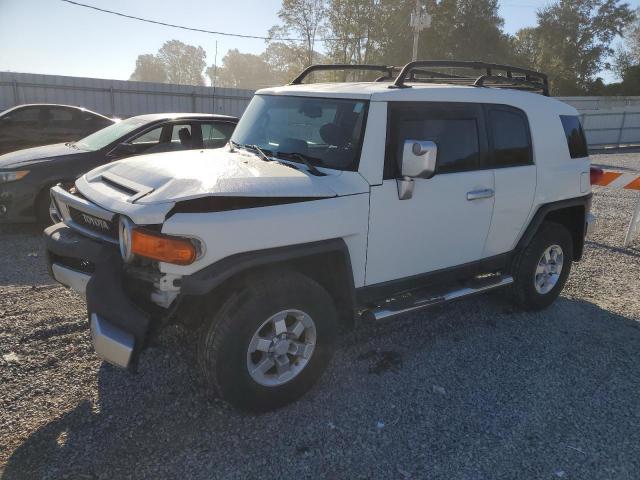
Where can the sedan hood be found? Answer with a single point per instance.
(31, 156)
(146, 187)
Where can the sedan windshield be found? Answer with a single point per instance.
(327, 132)
(110, 134)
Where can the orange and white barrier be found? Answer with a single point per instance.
(619, 181)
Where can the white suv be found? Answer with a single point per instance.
(333, 201)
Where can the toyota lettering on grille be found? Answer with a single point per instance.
(96, 222)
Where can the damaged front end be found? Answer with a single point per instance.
(127, 302)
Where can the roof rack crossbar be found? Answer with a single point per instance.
(387, 69)
(535, 78)
(524, 82)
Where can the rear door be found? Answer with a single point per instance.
(511, 159)
(22, 128)
(445, 223)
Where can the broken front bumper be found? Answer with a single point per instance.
(119, 329)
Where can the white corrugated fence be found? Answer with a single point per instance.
(119, 98)
(608, 121)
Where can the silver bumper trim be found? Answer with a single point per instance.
(110, 342)
(591, 224)
(71, 278)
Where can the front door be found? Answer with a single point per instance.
(446, 222)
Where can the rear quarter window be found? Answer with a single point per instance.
(576, 140)
(510, 138)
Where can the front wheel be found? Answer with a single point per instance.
(543, 267)
(269, 343)
(44, 208)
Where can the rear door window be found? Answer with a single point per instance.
(510, 138)
(27, 115)
(576, 140)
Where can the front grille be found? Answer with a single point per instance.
(84, 266)
(95, 224)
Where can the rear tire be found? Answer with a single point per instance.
(269, 342)
(543, 267)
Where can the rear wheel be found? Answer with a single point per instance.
(269, 344)
(543, 267)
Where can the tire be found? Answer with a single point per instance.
(42, 205)
(226, 353)
(533, 289)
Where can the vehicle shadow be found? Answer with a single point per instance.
(471, 390)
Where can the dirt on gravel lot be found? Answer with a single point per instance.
(470, 390)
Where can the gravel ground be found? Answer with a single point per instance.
(471, 390)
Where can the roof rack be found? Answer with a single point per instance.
(525, 79)
(422, 71)
(387, 69)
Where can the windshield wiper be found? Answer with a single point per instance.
(264, 154)
(306, 159)
(72, 145)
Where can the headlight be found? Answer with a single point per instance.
(125, 229)
(146, 243)
(12, 176)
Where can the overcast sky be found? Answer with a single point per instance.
(53, 37)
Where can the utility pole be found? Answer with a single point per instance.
(214, 79)
(419, 21)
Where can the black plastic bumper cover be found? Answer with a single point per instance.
(105, 293)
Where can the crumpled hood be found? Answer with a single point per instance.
(31, 156)
(171, 177)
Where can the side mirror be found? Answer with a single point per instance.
(124, 149)
(418, 161)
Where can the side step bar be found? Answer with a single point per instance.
(390, 310)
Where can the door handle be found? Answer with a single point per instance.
(480, 194)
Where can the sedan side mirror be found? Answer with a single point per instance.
(124, 149)
(418, 161)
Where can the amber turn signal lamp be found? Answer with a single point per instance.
(163, 248)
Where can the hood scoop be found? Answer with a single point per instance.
(132, 190)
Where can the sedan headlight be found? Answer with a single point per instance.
(12, 176)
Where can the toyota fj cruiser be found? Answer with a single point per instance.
(333, 201)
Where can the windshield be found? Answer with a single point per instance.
(327, 131)
(110, 134)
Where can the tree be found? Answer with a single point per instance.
(352, 25)
(242, 70)
(573, 40)
(149, 68)
(304, 19)
(184, 63)
(465, 30)
(175, 62)
(285, 61)
(628, 54)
